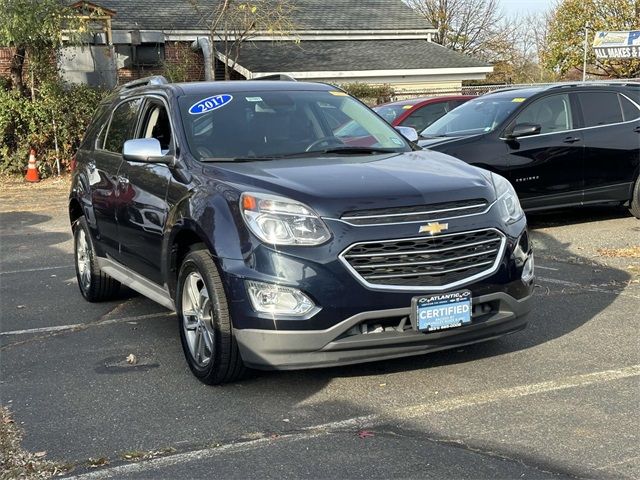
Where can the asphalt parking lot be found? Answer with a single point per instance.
(557, 400)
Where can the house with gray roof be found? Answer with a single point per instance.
(338, 41)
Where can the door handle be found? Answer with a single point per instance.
(571, 140)
(637, 129)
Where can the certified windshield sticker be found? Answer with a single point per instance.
(338, 93)
(211, 103)
(518, 100)
(253, 99)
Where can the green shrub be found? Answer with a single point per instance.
(369, 94)
(26, 124)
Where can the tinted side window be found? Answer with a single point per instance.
(629, 110)
(95, 128)
(600, 108)
(455, 103)
(425, 116)
(552, 113)
(122, 125)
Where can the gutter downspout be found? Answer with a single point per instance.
(204, 44)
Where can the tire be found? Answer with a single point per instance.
(95, 285)
(206, 331)
(634, 205)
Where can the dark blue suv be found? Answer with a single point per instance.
(283, 242)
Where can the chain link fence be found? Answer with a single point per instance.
(482, 89)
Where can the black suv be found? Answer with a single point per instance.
(560, 146)
(282, 244)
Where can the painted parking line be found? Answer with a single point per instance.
(405, 413)
(591, 288)
(73, 326)
(547, 268)
(41, 269)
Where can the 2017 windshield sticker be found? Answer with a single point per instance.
(209, 104)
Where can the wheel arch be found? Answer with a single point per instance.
(181, 240)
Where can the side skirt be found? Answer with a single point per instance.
(136, 282)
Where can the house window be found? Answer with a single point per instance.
(148, 55)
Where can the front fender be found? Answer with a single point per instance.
(210, 214)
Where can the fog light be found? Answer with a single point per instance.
(528, 269)
(277, 300)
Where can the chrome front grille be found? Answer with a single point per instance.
(418, 213)
(426, 263)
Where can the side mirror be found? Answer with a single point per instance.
(523, 130)
(409, 133)
(144, 150)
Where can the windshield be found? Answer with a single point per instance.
(391, 112)
(272, 124)
(481, 115)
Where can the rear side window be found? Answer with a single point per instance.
(629, 110)
(95, 129)
(122, 125)
(600, 108)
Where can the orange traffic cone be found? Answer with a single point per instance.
(32, 171)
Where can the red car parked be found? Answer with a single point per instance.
(419, 113)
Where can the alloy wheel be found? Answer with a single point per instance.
(197, 319)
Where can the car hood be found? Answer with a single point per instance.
(338, 184)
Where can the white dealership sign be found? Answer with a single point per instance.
(617, 45)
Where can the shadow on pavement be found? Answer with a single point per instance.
(573, 216)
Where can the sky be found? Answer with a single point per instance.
(522, 7)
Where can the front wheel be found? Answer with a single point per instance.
(634, 206)
(206, 330)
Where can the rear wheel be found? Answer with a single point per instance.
(95, 285)
(634, 206)
(206, 330)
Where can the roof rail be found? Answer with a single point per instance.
(278, 76)
(598, 83)
(142, 82)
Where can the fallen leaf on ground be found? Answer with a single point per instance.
(98, 462)
(132, 359)
(365, 434)
(40, 454)
(629, 252)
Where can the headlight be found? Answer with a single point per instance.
(281, 221)
(508, 203)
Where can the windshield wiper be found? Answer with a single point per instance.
(312, 153)
(239, 159)
(432, 135)
(355, 150)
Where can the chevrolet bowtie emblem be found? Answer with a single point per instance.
(433, 228)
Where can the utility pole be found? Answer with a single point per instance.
(584, 58)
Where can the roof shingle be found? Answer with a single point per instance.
(167, 15)
(345, 55)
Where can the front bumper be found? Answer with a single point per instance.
(389, 334)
